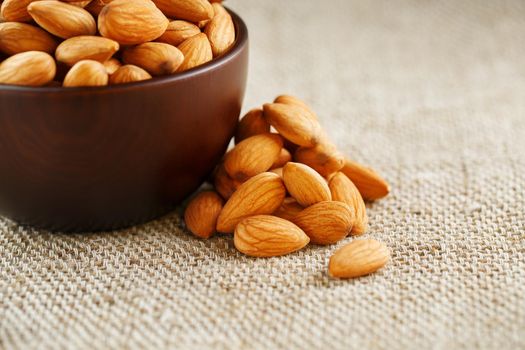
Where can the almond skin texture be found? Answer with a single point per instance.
(132, 22)
(305, 184)
(224, 184)
(15, 10)
(253, 156)
(359, 258)
(62, 19)
(266, 236)
(289, 209)
(86, 73)
(86, 47)
(128, 74)
(343, 190)
(31, 68)
(284, 157)
(291, 100)
(202, 212)
(262, 194)
(196, 51)
(20, 37)
(178, 31)
(220, 31)
(156, 58)
(112, 65)
(293, 123)
(369, 183)
(253, 123)
(326, 222)
(189, 10)
(324, 158)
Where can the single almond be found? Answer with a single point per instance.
(278, 171)
(369, 183)
(189, 10)
(156, 58)
(266, 236)
(343, 190)
(21, 37)
(359, 258)
(31, 68)
(196, 51)
(96, 6)
(202, 212)
(62, 19)
(112, 65)
(128, 74)
(289, 209)
(132, 22)
(86, 47)
(86, 73)
(15, 10)
(253, 123)
(178, 31)
(293, 123)
(323, 157)
(220, 31)
(326, 222)
(305, 184)
(291, 100)
(284, 157)
(224, 184)
(253, 156)
(262, 194)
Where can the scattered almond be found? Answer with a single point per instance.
(344, 190)
(369, 183)
(359, 258)
(284, 157)
(291, 100)
(202, 212)
(323, 157)
(305, 184)
(267, 236)
(224, 184)
(253, 123)
(289, 209)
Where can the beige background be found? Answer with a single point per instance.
(432, 94)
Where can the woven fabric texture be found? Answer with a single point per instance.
(432, 95)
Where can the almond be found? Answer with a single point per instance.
(196, 51)
(128, 74)
(20, 37)
(369, 183)
(178, 31)
(96, 6)
(284, 157)
(253, 123)
(220, 31)
(262, 194)
(156, 58)
(326, 222)
(31, 68)
(291, 100)
(289, 209)
(132, 22)
(224, 184)
(61, 19)
(86, 47)
(112, 65)
(267, 236)
(253, 156)
(293, 123)
(343, 190)
(86, 73)
(78, 3)
(305, 184)
(202, 212)
(323, 157)
(359, 258)
(15, 10)
(189, 10)
(278, 171)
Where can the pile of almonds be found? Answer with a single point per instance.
(278, 191)
(99, 42)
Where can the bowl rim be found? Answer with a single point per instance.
(241, 39)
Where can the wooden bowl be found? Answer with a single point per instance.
(101, 158)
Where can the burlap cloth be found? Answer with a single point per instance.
(430, 93)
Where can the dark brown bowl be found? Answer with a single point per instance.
(89, 159)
